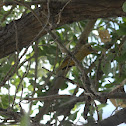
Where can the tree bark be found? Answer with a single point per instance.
(24, 31)
(118, 118)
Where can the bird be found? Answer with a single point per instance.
(79, 55)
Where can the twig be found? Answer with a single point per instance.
(98, 116)
(8, 75)
(26, 72)
(9, 12)
(87, 30)
(27, 6)
(78, 64)
(36, 72)
(49, 71)
(122, 84)
(48, 98)
(62, 10)
(71, 81)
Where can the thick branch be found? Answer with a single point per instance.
(118, 118)
(28, 26)
(11, 114)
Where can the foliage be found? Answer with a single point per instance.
(32, 74)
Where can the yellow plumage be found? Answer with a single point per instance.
(79, 55)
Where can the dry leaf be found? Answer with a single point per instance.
(104, 35)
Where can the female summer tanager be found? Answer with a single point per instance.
(79, 55)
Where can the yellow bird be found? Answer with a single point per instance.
(79, 55)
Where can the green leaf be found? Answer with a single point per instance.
(64, 86)
(106, 68)
(5, 101)
(122, 29)
(124, 7)
(121, 58)
(73, 116)
(71, 91)
(101, 106)
(30, 88)
(108, 85)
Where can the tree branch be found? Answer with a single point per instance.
(118, 118)
(28, 26)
